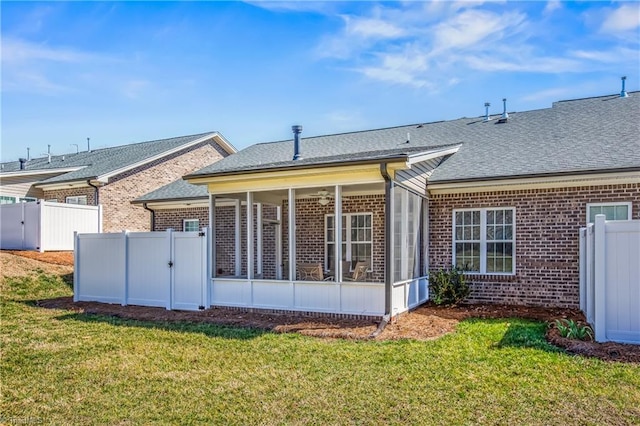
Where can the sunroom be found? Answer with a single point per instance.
(275, 236)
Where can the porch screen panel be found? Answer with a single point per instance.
(407, 228)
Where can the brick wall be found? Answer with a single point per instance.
(174, 218)
(116, 196)
(61, 194)
(547, 225)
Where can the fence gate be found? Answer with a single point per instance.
(164, 269)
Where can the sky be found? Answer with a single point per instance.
(125, 72)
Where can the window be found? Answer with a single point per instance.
(612, 211)
(357, 239)
(27, 199)
(191, 225)
(5, 199)
(484, 240)
(78, 199)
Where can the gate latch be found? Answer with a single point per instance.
(201, 234)
(170, 264)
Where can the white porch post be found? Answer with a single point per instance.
(279, 243)
(212, 234)
(250, 268)
(259, 239)
(238, 241)
(337, 227)
(292, 234)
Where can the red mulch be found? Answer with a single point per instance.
(424, 323)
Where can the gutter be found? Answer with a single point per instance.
(388, 278)
(97, 192)
(153, 216)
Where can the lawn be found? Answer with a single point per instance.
(61, 367)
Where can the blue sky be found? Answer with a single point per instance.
(121, 72)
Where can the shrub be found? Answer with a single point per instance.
(572, 330)
(448, 286)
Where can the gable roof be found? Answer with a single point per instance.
(581, 135)
(100, 164)
(175, 191)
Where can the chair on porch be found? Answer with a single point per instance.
(359, 272)
(311, 272)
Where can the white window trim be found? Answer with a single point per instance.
(483, 239)
(14, 198)
(347, 251)
(605, 204)
(184, 224)
(77, 197)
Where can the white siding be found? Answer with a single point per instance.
(416, 177)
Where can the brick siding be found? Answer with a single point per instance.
(547, 252)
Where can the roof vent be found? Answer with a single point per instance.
(297, 129)
(28, 155)
(623, 92)
(486, 112)
(505, 114)
(22, 163)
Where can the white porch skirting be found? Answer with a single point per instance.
(309, 296)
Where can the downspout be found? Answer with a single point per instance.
(388, 279)
(97, 192)
(153, 216)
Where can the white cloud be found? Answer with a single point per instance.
(551, 7)
(624, 18)
(15, 51)
(372, 28)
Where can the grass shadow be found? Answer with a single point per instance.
(526, 334)
(206, 328)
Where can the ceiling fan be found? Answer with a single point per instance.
(324, 197)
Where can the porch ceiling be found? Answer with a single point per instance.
(278, 195)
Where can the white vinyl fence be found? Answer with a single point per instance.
(45, 226)
(610, 279)
(167, 269)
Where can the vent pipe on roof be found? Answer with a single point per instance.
(623, 93)
(486, 112)
(297, 129)
(49, 153)
(88, 146)
(28, 155)
(505, 115)
(22, 162)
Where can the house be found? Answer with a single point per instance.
(111, 177)
(503, 196)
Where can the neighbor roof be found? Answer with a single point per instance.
(100, 162)
(592, 134)
(175, 191)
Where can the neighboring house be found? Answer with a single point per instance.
(113, 176)
(504, 196)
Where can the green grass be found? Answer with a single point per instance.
(60, 367)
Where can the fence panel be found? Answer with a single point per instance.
(189, 254)
(59, 222)
(610, 279)
(148, 257)
(100, 268)
(11, 217)
(622, 274)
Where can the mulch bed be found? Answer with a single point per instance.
(428, 322)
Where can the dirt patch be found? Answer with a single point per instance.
(425, 323)
(12, 265)
(64, 258)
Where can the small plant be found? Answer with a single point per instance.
(448, 286)
(572, 330)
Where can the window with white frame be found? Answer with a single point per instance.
(357, 239)
(191, 225)
(484, 240)
(77, 199)
(7, 199)
(28, 199)
(612, 211)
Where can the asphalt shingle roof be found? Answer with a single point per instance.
(600, 133)
(177, 190)
(101, 161)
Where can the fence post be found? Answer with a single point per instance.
(99, 218)
(583, 272)
(125, 293)
(169, 243)
(599, 279)
(76, 265)
(205, 266)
